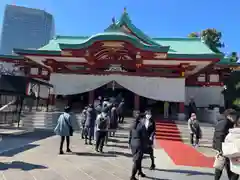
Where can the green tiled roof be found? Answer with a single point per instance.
(226, 61)
(176, 47)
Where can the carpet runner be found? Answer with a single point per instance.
(169, 138)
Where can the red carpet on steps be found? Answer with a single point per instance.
(169, 138)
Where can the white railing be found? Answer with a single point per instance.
(5, 106)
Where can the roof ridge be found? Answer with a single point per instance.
(70, 37)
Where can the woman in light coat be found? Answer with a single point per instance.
(233, 137)
(64, 129)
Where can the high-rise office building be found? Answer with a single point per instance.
(25, 28)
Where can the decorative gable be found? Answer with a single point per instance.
(125, 25)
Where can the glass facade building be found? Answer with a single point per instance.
(25, 28)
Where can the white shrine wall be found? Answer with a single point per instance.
(205, 96)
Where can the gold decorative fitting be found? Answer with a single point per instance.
(160, 55)
(66, 53)
(113, 44)
(183, 74)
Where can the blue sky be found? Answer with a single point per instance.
(157, 18)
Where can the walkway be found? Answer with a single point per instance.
(39, 160)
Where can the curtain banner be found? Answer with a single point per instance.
(163, 89)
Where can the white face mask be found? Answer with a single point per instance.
(148, 116)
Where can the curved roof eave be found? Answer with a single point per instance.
(115, 36)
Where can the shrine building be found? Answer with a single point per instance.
(123, 59)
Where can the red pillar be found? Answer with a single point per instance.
(91, 97)
(136, 102)
(181, 107)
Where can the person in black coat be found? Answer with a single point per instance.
(137, 143)
(222, 127)
(192, 108)
(150, 126)
(90, 124)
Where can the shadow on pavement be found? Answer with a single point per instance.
(94, 154)
(120, 153)
(154, 178)
(12, 152)
(187, 172)
(20, 165)
(21, 143)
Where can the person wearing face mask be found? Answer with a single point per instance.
(195, 130)
(150, 127)
(222, 127)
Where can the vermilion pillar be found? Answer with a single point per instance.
(91, 97)
(181, 107)
(136, 102)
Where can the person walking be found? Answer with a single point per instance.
(137, 143)
(102, 123)
(83, 118)
(192, 108)
(120, 111)
(222, 127)
(113, 120)
(195, 130)
(64, 129)
(90, 124)
(150, 131)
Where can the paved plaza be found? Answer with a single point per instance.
(34, 156)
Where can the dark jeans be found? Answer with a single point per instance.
(231, 175)
(151, 153)
(192, 139)
(62, 141)
(137, 162)
(100, 138)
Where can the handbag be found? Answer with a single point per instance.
(231, 149)
(69, 126)
(219, 162)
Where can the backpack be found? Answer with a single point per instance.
(103, 123)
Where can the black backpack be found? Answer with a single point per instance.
(103, 123)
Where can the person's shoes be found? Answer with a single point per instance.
(142, 174)
(152, 167)
(133, 178)
(96, 150)
(86, 143)
(69, 150)
(61, 152)
(90, 143)
(101, 151)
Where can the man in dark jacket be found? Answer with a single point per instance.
(90, 123)
(138, 140)
(192, 108)
(225, 123)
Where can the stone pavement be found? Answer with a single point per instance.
(39, 160)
